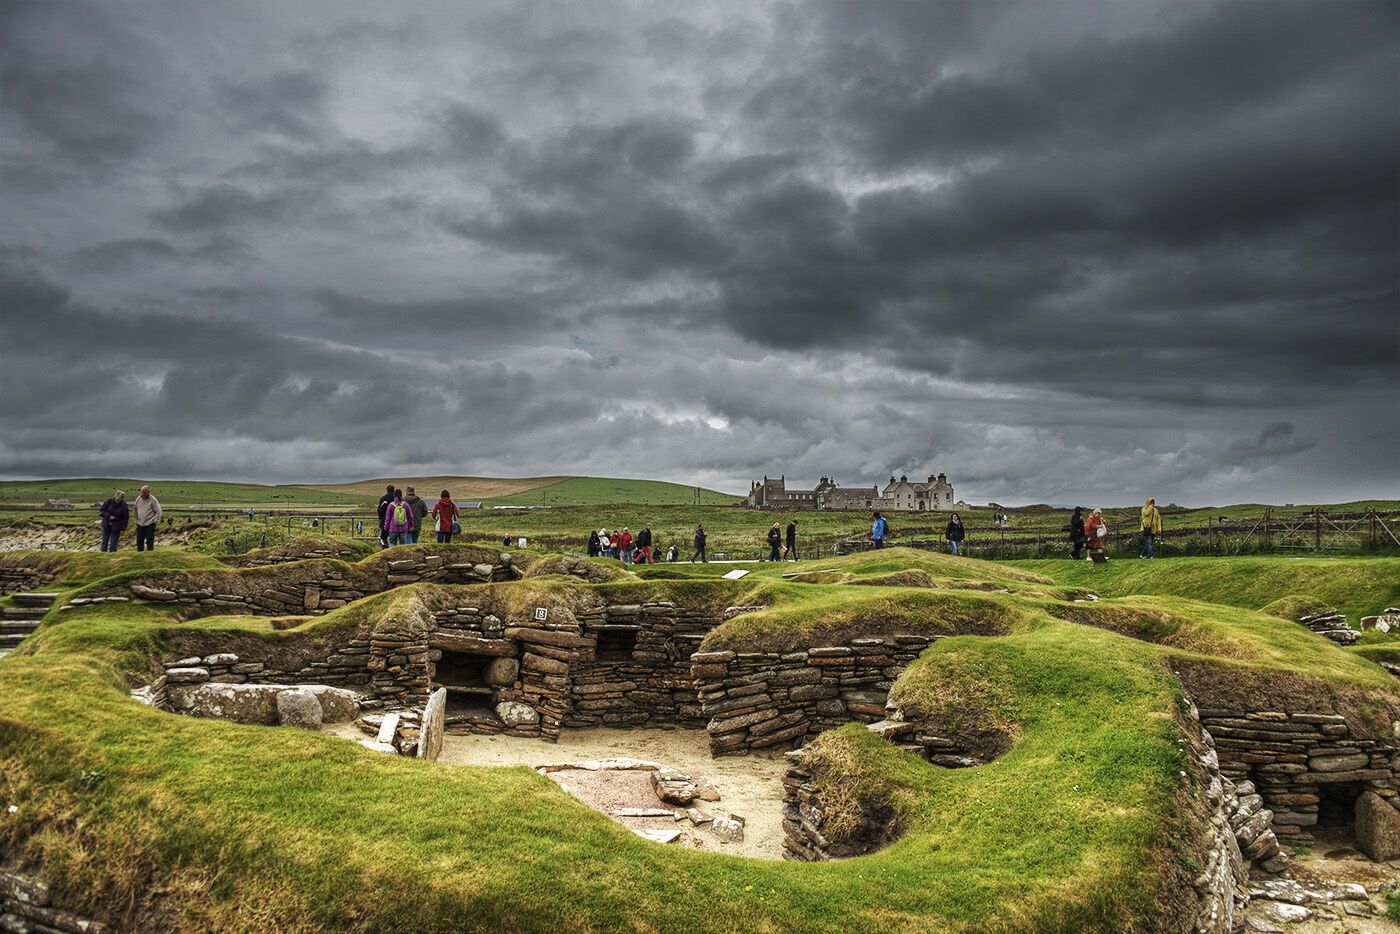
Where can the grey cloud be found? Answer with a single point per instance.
(1059, 253)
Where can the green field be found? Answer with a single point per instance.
(584, 491)
(197, 493)
(149, 820)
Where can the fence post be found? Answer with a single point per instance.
(1317, 530)
(1373, 529)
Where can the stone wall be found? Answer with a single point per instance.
(759, 700)
(26, 905)
(304, 588)
(1292, 757)
(16, 579)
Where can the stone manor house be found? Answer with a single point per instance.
(900, 495)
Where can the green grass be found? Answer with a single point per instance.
(210, 494)
(1355, 586)
(1084, 824)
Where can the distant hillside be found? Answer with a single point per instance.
(170, 492)
(461, 488)
(521, 491)
(598, 491)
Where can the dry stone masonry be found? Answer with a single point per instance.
(761, 700)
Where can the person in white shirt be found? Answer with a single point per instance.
(147, 509)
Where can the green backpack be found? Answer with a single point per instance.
(400, 514)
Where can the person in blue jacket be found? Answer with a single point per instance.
(879, 531)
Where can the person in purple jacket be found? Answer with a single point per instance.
(114, 518)
(398, 520)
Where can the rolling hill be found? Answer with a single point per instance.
(520, 491)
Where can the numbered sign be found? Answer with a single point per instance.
(541, 614)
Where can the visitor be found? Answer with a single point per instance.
(147, 515)
(505, 540)
(792, 540)
(384, 502)
(445, 512)
(250, 513)
(1151, 526)
(673, 554)
(624, 546)
(699, 545)
(1076, 532)
(644, 545)
(879, 531)
(604, 543)
(398, 520)
(955, 533)
(595, 545)
(1095, 531)
(775, 542)
(417, 512)
(114, 519)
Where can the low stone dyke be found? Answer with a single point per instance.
(310, 587)
(18, 578)
(761, 700)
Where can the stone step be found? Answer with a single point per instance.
(34, 599)
(9, 640)
(17, 612)
(24, 626)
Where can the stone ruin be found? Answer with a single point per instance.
(464, 661)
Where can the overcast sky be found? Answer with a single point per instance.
(1059, 252)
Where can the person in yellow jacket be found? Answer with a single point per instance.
(1151, 526)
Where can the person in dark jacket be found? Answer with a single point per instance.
(955, 533)
(418, 511)
(1076, 532)
(792, 540)
(384, 502)
(775, 542)
(699, 545)
(595, 545)
(644, 545)
(115, 515)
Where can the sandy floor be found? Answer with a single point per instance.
(749, 786)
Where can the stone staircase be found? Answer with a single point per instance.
(19, 619)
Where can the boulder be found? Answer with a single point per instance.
(514, 713)
(338, 705)
(1377, 827)
(430, 734)
(241, 703)
(502, 671)
(299, 707)
(727, 830)
(673, 786)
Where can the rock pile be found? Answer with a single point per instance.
(1275, 902)
(1331, 625)
(1389, 621)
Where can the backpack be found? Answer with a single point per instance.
(400, 514)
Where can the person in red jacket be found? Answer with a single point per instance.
(445, 512)
(626, 545)
(1095, 531)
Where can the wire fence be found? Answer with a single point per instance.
(1319, 532)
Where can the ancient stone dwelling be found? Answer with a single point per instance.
(902, 495)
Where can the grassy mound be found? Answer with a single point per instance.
(157, 821)
(1354, 586)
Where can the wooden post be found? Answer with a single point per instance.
(1317, 530)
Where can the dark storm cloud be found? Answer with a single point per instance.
(1060, 252)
